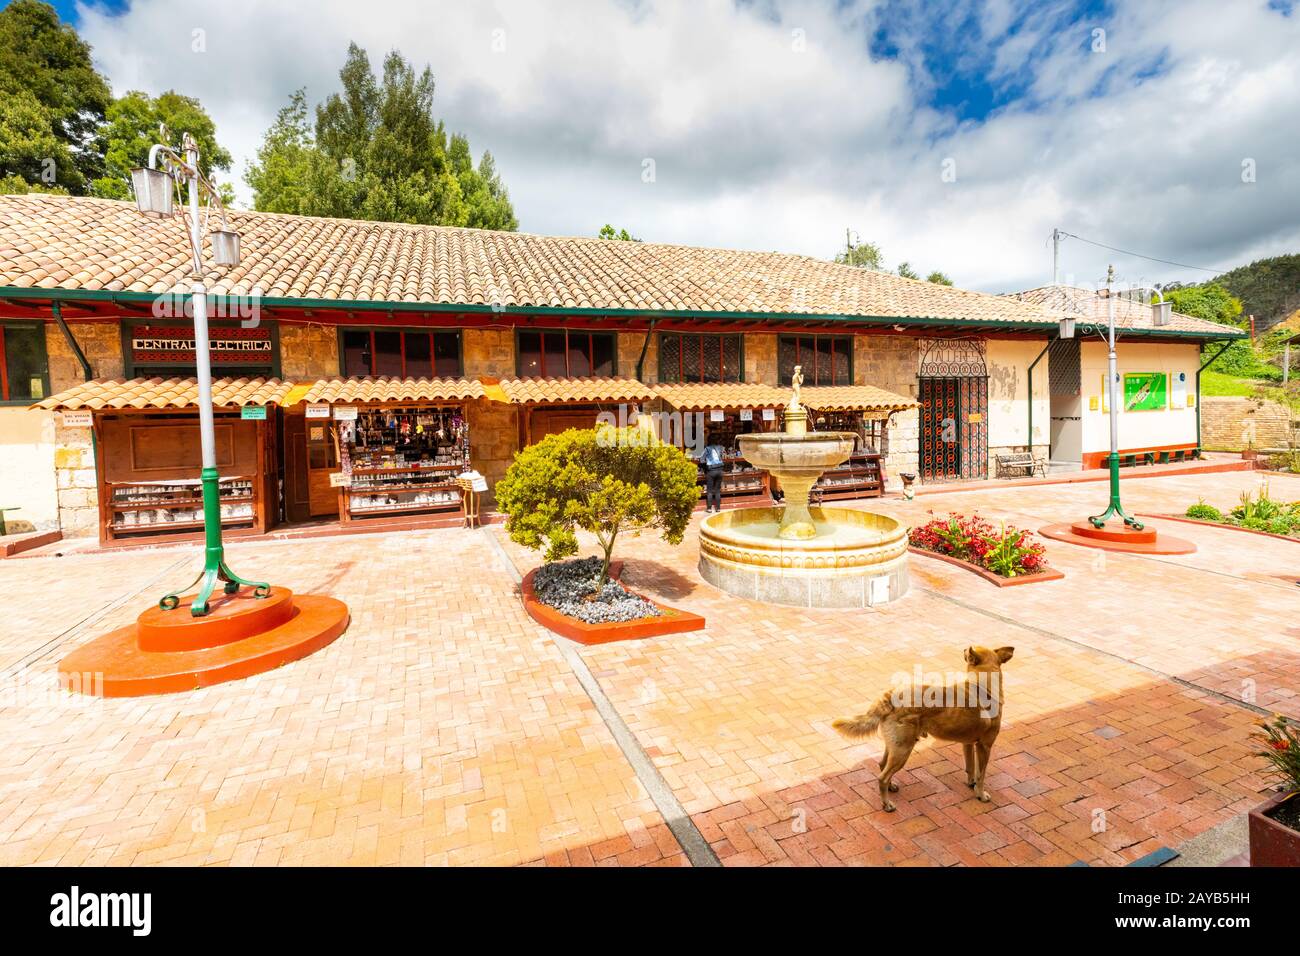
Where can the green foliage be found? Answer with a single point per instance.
(1210, 301)
(907, 272)
(865, 255)
(609, 232)
(377, 152)
(1259, 512)
(1279, 745)
(938, 278)
(603, 481)
(1203, 512)
(51, 100)
(131, 127)
(1269, 289)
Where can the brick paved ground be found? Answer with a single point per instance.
(445, 727)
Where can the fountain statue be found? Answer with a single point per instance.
(801, 555)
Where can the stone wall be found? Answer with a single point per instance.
(629, 353)
(101, 342)
(489, 353)
(308, 352)
(760, 358)
(890, 362)
(1231, 423)
(75, 479)
(493, 439)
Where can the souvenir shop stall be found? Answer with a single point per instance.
(724, 412)
(865, 412)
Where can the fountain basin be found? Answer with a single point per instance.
(854, 559)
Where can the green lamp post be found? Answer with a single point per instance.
(1160, 314)
(155, 187)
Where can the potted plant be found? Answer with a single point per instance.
(1275, 825)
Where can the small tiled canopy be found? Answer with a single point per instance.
(855, 398)
(385, 389)
(151, 393)
(555, 391)
(725, 396)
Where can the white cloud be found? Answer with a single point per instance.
(759, 144)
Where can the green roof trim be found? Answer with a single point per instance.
(104, 295)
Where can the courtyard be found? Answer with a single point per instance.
(446, 727)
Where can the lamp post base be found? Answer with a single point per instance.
(214, 558)
(1115, 509)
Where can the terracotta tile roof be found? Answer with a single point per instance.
(167, 393)
(385, 389)
(61, 242)
(1091, 306)
(693, 396)
(855, 398)
(521, 391)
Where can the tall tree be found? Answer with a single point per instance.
(609, 232)
(52, 101)
(864, 255)
(377, 152)
(938, 278)
(132, 127)
(906, 271)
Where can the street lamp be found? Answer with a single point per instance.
(1160, 314)
(155, 187)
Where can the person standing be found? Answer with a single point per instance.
(712, 459)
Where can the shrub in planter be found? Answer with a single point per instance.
(603, 480)
(1008, 551)
(1275, 826)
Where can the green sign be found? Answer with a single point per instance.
(256, 413)
(1146, 391)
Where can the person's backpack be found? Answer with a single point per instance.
(712, 456)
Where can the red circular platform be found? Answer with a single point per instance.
(165, 652)
(1117, 536)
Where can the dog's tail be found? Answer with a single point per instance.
(864, 725)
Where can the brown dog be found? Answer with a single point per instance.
(969, 713)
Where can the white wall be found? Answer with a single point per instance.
(1008, 364)
(27, 466)
(1137, 430)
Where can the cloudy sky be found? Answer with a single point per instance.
(955, 134)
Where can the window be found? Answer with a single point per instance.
(408, 353)
(24, 370)
(565, 354)
(826, 359)
(699, 358)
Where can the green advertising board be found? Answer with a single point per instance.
(1146, 391)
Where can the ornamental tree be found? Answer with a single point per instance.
(602, 480)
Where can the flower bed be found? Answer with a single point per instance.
(1005, 555)
(1274, 827)
(661, 620)
(1254, 513)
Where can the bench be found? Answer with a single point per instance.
(1023, 462)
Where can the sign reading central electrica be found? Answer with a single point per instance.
(157, 344)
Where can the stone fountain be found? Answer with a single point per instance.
(801, 555)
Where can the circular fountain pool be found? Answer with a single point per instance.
(854, 559)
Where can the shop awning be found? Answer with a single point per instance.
(386, 389)
(726, 396)
(855, 398)
(159, 393)
(573, 391)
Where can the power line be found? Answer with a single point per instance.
(1138, 255)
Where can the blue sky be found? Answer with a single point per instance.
(956, 134)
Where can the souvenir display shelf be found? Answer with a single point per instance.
(158, 507)
(404, 461)
(863, 475)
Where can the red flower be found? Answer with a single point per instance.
(1281, 745)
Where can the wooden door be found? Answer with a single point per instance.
(297, 503)
(552, 421)
(322, 461)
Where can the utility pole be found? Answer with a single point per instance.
(848, 246)
(1056, 257)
